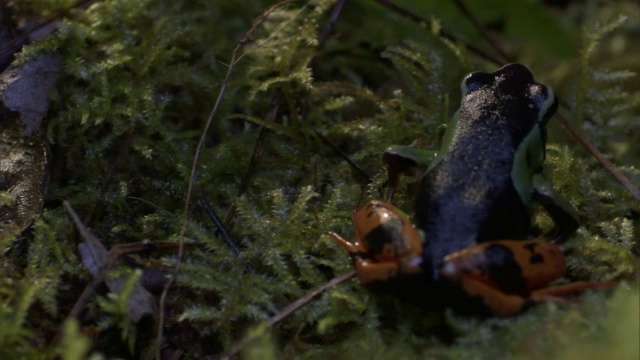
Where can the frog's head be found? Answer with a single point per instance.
(385, 233)
(509, 94)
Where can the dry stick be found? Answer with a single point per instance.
(414, 17)
(345, 157)
(257, 150)
(234, 59)
(24, 38)
(333, 20)
(483, 32)
(255, 157)
(291, 308)
(222, 229)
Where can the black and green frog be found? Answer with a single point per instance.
(473, 206)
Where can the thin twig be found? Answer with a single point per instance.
(222, 230)
(483, 32)
(333, 20)
(346, 158)
(414, 17)
(255, 157)
(24, 38)
(91, 287)
(196, 158)
(293, 307)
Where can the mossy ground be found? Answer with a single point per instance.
(141, 78)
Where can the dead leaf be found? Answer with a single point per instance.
(98, 261)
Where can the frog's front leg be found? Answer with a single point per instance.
(405, 160)
(564, 216)
(510, 275)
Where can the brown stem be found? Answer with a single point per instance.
(482, 30)
(414, 17)
(606, 163)
(293, 307)
(235, 57)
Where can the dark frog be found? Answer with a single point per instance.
(473, 206)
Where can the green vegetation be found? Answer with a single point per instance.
(140, 79)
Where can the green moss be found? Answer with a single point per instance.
(140, 79)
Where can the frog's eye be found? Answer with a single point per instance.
(544, 100)
(475, 81)
(538, 95)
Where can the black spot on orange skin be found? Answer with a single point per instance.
(376, 240)
(504, 270)
(537, 259)
(384, 234)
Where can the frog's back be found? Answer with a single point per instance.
(469, 195)
(480, 188)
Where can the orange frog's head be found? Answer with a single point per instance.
(383, 236)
